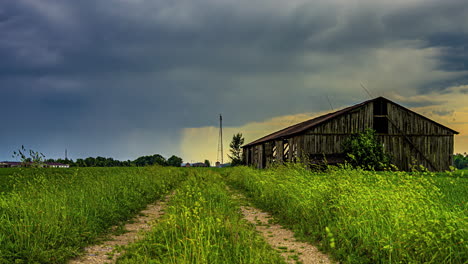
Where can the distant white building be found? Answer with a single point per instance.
(56, 165)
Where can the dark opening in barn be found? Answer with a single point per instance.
(380, 116)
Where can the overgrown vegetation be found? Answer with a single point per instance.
(29, 157)
(48, 215)
(364, 150)
(202, 225)
(365, 216)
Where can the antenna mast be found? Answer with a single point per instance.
(220, 140)
(367, 91)
(331, 106)
(66, 154)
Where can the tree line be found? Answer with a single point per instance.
(155, 159)
(34, 158)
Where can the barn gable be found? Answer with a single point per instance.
(406, 136)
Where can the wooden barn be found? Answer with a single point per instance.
(408, 137)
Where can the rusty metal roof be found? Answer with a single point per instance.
(306, 125)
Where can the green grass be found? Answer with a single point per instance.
(48, 216)
(366, 217)
(6, 182)
(202, 225)
(11, 177)
(454, 191)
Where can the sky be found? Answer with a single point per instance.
(127, 78)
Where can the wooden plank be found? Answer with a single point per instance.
(279, 150)
(413, 145)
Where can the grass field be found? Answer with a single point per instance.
(366, 217)
(49, 215)
(11, 177)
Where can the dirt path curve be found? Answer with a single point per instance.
(282, 239)
(105, 253)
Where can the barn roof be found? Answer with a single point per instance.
(311, 123)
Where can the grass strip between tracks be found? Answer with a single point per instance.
(202, 224)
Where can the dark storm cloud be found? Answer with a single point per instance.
(440, 24)
(426, 18)
(214, 37)
(115, 71)
(106, 40)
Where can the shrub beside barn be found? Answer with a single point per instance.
(408, 138)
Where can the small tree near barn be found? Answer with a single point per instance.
(364, 150)
(236, 151)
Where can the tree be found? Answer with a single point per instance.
(158, 159)
(174, 161)
(207, 163)
(364, 150)
(90, 162)
(142, 161)
(151, 160)
(236, 151)
(110, 162)
(100, 161)
(460, 160)
(80, 163)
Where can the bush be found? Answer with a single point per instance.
(364, 150)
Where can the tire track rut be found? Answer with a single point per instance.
(106, 252)
(281, 238)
